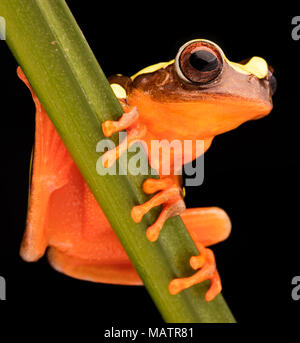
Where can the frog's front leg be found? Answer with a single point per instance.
(169, 194)
(135, 132)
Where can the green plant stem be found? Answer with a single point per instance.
(51, 49)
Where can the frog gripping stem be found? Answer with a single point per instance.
(128, 118)
(169, 195)
(135, 132)
(205, 261)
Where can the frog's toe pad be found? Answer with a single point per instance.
(128, 119)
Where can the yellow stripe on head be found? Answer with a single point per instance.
(256, 66)
(152, 68)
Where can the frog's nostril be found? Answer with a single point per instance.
(272, 81)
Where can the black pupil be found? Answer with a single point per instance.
(203, 60)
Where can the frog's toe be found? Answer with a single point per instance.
(135, 132)
(168, 211)
(169, 195)
(128, 119)
(205, 261)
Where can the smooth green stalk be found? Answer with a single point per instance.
(51, 49)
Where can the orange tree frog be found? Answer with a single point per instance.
(196, 96)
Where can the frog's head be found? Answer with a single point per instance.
(201, 93)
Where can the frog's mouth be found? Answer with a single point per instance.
(272, 86)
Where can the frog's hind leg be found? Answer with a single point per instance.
(64, 215)
(206, 226)
(93, 270)
(50, 171)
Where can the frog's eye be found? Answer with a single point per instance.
(199, 62)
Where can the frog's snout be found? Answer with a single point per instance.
(272, 80)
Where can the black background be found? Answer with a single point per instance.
(252, 172)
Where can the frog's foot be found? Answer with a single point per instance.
(169, 195)
(135, 132)
(205, 261)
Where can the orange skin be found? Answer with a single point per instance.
(64, 215)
